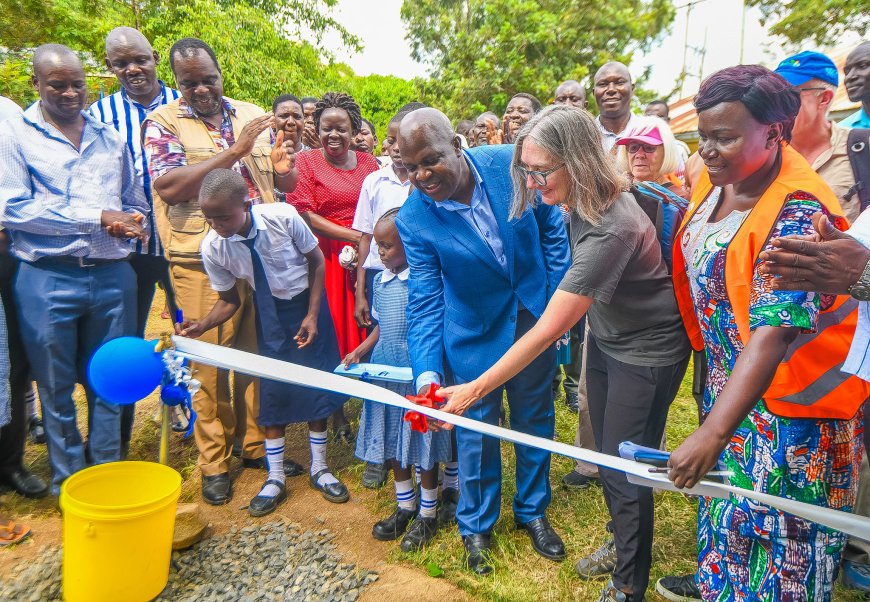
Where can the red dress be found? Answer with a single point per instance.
(333, 193)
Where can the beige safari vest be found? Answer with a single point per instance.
(182, 227)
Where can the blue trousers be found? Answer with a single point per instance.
(530, 398)
(66, 313)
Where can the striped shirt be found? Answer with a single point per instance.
(126, 116)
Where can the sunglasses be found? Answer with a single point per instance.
(636, 146)
(539, 177)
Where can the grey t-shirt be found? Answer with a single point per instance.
(618, 263)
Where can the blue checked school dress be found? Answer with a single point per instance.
(383, 433)
(747, 551)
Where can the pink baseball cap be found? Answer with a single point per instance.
(644, 134)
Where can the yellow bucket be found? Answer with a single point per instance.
(117, 531)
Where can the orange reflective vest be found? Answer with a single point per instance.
(808, 382)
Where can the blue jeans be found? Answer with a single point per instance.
(66, 313)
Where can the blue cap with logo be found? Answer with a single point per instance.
(807, 65)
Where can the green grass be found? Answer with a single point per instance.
(520, 574)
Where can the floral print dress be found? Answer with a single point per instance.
(747, 551)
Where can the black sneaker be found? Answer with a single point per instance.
(572, 401)
(375, 475)
(678, 588)
(37, 431)
(575, 480)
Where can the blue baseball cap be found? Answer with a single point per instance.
(807, 65)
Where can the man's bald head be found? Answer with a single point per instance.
(613, 90)
(613, 67)
(432, 154)
(60, 78)
(430, 123)
(570, 92)
(126, 36)
(130, 57)
(54, 55)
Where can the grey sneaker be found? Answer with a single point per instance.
(678, 588)
(575, 480)
(374, 476)
(599, 563)
(611, 594)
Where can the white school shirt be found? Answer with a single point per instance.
(858, 361)
(283, 238)
(381, 191)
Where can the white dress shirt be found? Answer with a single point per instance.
(381, 191)
(283, 239)
(858, 361)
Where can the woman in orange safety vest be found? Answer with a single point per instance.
(777, 411)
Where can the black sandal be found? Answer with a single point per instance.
(336, 493)
(262, 505)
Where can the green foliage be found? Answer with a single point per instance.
(257, 42)
(484, 51)
(822, 21)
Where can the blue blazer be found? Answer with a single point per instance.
(462, 307)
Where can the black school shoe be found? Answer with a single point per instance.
(336, 493)
(217, 489)
(422, 530)
(262, 505)
(447, 508)
(394, 526)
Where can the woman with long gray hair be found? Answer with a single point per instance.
(638, 348)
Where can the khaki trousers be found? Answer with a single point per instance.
(224, 400)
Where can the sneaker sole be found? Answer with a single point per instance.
(669, 595)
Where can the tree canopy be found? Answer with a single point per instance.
(483, 51)
(257, 43)
(822, 21)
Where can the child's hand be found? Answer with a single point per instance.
(307, 331)
(361, 312)
(190, 329)
(351, 358)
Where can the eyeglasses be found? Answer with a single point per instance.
(539, 177)
(811, 89)
(636, 146)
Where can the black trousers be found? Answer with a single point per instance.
(13, 435)
(629, 403)
(150, 270)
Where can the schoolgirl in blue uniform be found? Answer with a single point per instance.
(383, 435)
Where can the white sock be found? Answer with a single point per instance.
(428, 502)
(417, 474)
(30, 400)
(405, 495)
(451, 476)
(275, 464)
(317, 441)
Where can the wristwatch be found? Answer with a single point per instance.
(861, 289)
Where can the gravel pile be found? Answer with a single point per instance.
(269, 562)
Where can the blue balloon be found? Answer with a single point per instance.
(125, 370)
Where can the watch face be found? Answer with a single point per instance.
(860, 292)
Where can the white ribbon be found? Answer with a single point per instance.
(637, 472)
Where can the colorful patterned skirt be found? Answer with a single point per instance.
(750, 552)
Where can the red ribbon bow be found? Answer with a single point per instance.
(430, 399)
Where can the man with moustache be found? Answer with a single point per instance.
(130, 57)
(184, 140)
(71, 203)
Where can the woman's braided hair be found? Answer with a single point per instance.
(339, 100)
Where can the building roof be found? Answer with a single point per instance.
(684, 119)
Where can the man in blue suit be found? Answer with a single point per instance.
(479, 281)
